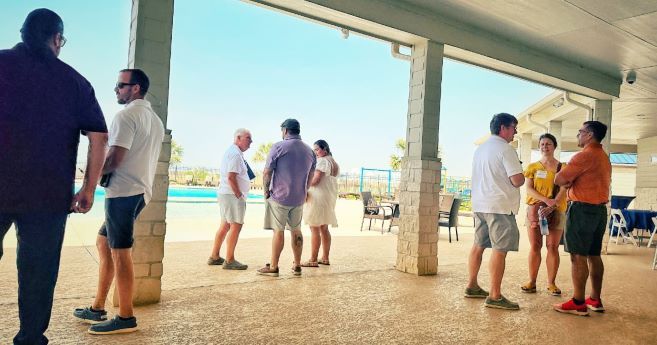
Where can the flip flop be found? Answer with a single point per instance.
(323, 262)
(310, 264)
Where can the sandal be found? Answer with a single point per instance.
(323, 262)
(528, 288)
(310, 264)
(554, 290)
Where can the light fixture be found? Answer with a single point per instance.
(558, 103)
(345, 33)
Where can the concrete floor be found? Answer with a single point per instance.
(359, 299)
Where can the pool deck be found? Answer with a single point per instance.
(359, 299)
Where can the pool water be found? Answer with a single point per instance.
(186, 194)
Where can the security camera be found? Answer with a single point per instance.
(630, 78)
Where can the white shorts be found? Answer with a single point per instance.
(232, 209)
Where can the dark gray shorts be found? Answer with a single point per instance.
(497, 231)
(120, 215)
(585, 227)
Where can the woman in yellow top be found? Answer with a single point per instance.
(541, 191)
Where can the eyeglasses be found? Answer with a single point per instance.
(62, 41)
(120, 85)
(582, 131)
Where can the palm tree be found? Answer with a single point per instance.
(177, 152)
(396, 159)
(262, 152)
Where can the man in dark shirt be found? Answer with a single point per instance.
(44, 107)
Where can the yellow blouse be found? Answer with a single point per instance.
(543, 183)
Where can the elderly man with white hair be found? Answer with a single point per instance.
(235, 180)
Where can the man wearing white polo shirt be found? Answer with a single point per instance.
(496, 177)
(234, 184)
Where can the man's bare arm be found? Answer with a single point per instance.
(266, 182)
(517, 180)
(114, 158)
(83, 200)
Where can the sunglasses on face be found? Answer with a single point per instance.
(120, 85)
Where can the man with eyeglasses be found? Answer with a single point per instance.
(496, 177)
(588, 177)
(135, 141)
(44, 107)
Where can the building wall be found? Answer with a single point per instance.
(623, 180)
(646, 175)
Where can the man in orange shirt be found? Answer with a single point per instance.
(588, 177)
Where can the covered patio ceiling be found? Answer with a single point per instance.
(585, 46)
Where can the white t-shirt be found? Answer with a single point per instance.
(138, 129)
(493, 163)
(233, 161)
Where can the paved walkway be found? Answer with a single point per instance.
(359, 299)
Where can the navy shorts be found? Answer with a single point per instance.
(120, 215)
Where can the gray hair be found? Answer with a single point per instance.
(240, 132)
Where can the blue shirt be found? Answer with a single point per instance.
(44, 107)
(290, 160)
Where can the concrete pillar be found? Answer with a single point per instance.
(646, 174)
(525, 154)
(150, 50)
(417, 250)
(525, 148)
(602, 113)
(554, 128)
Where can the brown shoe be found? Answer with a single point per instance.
(215, 262)
(268, 271)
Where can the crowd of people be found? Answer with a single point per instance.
(560, 196)
(299, 184)
(50, 105)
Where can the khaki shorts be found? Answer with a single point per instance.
(231, 208)
(556, 221)
(497, 231)
(280, 217)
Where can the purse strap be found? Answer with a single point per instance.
(556, 188)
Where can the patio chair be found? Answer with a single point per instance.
(654, 231)
(451, 220)
(373, 211)
(620, 225)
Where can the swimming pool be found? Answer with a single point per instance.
(187, 194)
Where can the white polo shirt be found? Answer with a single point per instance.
(493, 163)
(233, 161)
(138, 129)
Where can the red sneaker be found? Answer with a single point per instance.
(595, 305)
(571, 308)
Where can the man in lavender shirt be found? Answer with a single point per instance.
(287, 176)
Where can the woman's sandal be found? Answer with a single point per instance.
(323, 262)
(310, 264)
(528, 288)
(554, 290)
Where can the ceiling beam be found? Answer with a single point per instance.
(463, 42)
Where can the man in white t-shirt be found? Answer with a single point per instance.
(234, 184)
(496, 177)
(135, 140)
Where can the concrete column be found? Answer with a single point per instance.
(554, 128)
(602, 113)
(525, 148)
(150, 50)
(646, 174)
(417, 250)
(525, 154)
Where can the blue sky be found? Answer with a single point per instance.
(238, 65)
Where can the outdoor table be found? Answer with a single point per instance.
(639, 219)
(621, 202)
(395, 207)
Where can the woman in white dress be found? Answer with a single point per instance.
(319, 210)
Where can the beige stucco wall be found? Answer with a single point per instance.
(646, 175)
